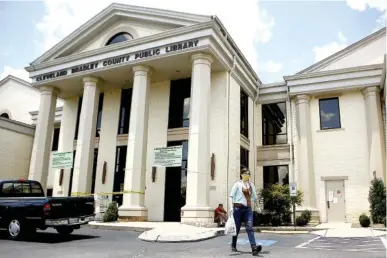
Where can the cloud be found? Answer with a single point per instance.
(327, 116)
(380, 5)
(271, 66)
(17, 72)
(330, 48)
(248, 24)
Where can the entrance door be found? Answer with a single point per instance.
(175, 186)
(335, 201)
(119, 173)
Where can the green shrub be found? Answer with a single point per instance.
(111, 214)
(276, 220)
(277, 200)
(377, 200)
(301, 221)
(307, 215)
(364, 221)
(287, 218)
(266, 219)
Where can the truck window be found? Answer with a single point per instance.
(21, 189)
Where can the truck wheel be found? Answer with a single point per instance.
(65, 231)
(15, 229)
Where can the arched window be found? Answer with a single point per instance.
(119, 37)
(5, 115)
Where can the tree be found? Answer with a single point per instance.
(377, 200)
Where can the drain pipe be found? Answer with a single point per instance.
(290, 122)
(228, 127)
(255, 129)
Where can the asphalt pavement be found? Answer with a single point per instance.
(98, 243)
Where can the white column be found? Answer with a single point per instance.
(306, 180)
(375, 131)
(133, 207)
(67, 132)
(197, 208)
(83, 164)
(43, 136)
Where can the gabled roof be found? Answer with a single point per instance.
(151, 14)
(19, 80)
(344, 52)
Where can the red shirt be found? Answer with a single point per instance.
(219, 210)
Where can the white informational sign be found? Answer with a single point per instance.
(62, 160)
(293, 189)
(168, 156)
(330, 196)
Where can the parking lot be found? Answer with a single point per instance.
(105, 243)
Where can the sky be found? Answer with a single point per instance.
(278, 38)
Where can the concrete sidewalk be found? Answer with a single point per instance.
(177, 232)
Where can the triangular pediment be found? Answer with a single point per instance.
(367, 51)
(137, 21)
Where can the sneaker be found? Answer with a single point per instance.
(256, 250)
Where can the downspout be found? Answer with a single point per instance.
(290, 123)
(254, 129)
(228, 126)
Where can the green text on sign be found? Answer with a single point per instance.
(62, 160)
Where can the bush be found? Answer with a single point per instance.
(307, 215)
(266, 219)
(287, 218)
(377, 200)
(364, 221)
(111, 214)
(276, 220)
(277, 200)
(301, 221)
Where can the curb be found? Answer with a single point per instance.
(118, 228)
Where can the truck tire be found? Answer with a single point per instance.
(64, 231)
(15, 229)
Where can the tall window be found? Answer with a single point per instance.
(274, 124)
(119, 37)
(244, 157)
(244, 114)
(55, 139)
(99, 114)
(179, 103)
(329, 113)
(78, 118)
(126, 102)
(275, 175)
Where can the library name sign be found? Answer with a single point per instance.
(112, 61)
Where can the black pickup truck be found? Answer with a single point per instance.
(24, 208)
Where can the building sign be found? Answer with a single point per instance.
(98, 64)
(168, 156)
(293, 189)
(62, 160)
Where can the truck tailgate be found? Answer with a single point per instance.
(70, 207)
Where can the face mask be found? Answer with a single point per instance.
(245, 177)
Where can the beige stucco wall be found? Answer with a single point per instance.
(16, 141)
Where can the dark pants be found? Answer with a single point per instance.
(244, 214)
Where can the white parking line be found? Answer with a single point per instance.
(307, 242)
(384, 241)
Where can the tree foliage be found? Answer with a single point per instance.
(377, 200)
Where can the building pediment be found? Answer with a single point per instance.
(117, 18)
(367, 51)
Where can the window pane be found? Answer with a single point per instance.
(36, 189)
(7, 188)
(329, 113)
(120, 37)
(275, 175)
(274, 124)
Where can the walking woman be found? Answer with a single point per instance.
(242, 195)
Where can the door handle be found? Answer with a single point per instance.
(328, 204)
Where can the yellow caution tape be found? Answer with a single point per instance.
(102, 193)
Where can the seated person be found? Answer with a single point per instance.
(220, 215)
